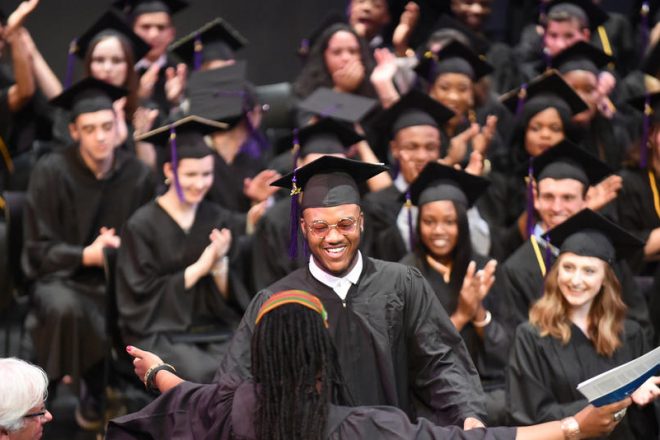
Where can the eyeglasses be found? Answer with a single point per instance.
(321, 228)
(39, 414)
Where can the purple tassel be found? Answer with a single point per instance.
(70, 63)
(411, 236)
(293, 226)
(522, 94)
(197, 58)
(295, 150)
(175, 163)
(303, 50)
(530, 199)
(643, 147)
(644, 26)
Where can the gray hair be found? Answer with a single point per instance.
(23, 386)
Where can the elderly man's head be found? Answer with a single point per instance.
(23, 391)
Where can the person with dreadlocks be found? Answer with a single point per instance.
(297, 393)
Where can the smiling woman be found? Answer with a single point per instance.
(578, 329)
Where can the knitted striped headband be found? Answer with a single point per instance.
(293, 297)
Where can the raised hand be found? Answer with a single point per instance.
(148, 81)
(604, 192)
(120, 115)
(481, 140)
(175, 82)
(258, 187)
(143, 120)
(405, 28)
(18, 17)
(348, 78)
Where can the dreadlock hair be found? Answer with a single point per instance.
(295, 366)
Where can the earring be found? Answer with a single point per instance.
(167, 181)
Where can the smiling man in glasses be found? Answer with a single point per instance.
(23, 391)
(395, 343)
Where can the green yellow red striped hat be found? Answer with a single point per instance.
(293, 297)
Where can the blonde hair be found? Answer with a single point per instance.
(606, 315)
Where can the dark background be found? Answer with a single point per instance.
(274, 28)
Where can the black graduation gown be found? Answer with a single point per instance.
(227, 189)
(66, 206)
(607, 139)
(270, 246)
(523, 283)
(636, 208)
(543, 375)
(155, 309)
(489, 354)
(226, 411)
(394, 340)
(381, 211)
(159, 97)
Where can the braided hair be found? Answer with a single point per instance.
(295, 366)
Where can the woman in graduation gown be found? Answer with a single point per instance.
(578, 330)
(297, 393)
(451, 74)
(543, 118)
(177, 291)
(460, 278)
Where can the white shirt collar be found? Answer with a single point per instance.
(145, 63)
(337, 284)
(400, 183)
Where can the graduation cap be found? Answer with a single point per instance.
(221, 94)
(477, 43)
(87, 96)
(586, 11)
(549, 86)
(326, 136)
(589, 234)
(328, 181)
(581, 56)
(186, 141)
(455, 57)
(440, 182)
(568, 161)
(111, 24)
(649, 105)
(216, 40)
(306, 44)
(348, 107)
(134, 8)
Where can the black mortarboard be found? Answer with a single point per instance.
(329, 181)
(568, 161)
(589, 234)
(585, 10)
(415, 108)
(348, 107)
(186, 141)
(221, 94)
(455, 57)
(216, 40)
(133, 8)
(87, 96)
(651, 63)
(333, 17)
(110, 23)
(581, 56)
(327, 136)
(440, 182)
(549, 85)
(477, 43)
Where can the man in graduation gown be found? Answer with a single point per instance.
(563, 175)
(395, 343)
(162, 80)
(77, 201)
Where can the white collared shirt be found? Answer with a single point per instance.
(402, 223)
(340, 285)
(145, 63)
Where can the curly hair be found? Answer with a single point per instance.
(295, 366)
(606, 315)
(315, 73)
